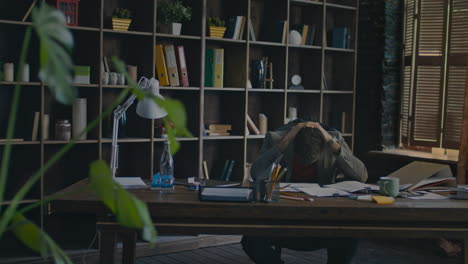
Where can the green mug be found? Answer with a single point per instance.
(389, 186)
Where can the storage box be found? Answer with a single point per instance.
(82, 74)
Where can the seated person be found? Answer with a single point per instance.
(311, 154)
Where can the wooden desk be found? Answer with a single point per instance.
(181, 213)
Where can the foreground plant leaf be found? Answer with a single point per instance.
(56, 43)
(129, 210)
(33, 237)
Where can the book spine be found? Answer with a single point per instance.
(229, 171)
(219, 68)
(161, 66)
(171, 65)
(182, 65)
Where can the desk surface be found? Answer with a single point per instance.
(185, 204)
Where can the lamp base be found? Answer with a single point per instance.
(131, 182)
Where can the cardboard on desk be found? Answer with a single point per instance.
(423, 174)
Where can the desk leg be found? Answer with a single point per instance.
(107, 247)
(465, 253)
(129, 247)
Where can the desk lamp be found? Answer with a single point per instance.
(146, 108)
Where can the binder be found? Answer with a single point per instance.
(161, 66)
(219, 68)
(209, 67)
(171, 65)
(182, 65)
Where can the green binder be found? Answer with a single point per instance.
(209, 68)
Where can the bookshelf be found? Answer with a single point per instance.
(328, 76)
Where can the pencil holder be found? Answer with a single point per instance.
(271, 192)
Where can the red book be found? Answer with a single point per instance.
(182, 65)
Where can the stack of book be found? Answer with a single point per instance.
(214, 68)
(171, 65)
(340, 37)
(307, 32)
(218, 130)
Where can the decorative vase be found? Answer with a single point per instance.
(217, 32)
(175, 28)
(121, 24)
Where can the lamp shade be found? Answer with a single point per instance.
(147, 108)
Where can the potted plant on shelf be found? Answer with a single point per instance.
(121, 19)
(171, 14)
(217, 27)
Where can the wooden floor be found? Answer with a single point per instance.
(369, 252)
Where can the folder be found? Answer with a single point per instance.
(219, 68)
(161, 66)
(171, 65)
(209, 67)
(182, 65)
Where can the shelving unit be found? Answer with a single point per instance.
(141, 145)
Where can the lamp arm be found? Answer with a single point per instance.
(118, 113)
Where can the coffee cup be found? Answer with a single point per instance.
(389, 186)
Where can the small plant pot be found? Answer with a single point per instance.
(172, 28)
(121, 24)
(217, 32)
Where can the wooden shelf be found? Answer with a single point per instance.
(138, 33)
(163, 35)
(227, 89)
(305, 47)
(353, 8)
(304, 91)
(226, 40)
(56, 142)
(337, 92)
(339, 50)
(222, 137)
(307, 2)
(265, 90)
(169, 88)
(127, 140)
(25, 142)
(255, 136)
(85, 85)
(177, 139)
(79, 28)
(28, 201)
(21, 83)
(266, 43)
(13, 22)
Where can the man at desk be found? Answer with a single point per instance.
(311, 154)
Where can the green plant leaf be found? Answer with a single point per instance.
(129, 210)
(56, 42)
(33, 237)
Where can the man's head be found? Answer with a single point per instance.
(308, 144)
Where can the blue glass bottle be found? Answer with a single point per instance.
(166, 168)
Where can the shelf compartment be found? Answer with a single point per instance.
(276, 55)
(190, 29)
(268, 104)
(266, 17)
(134, 159)
(142, 19)
(58, 111)
(307, 105)
(223, 108)
(185, 160)
(337, 112)
(171, 36)
(24, 162)
(86, 53)
(235, 59)
(311, 15)
(307, 64)
(344, 19)
(216, 153)
(342, 65)
(193, 58)
(225, 10)
(132, 49)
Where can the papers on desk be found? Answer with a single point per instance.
(353, 186)
(323, 192)
(293, 187)
(130, 182)
(428, 196)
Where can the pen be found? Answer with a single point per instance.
(286, 186)
(296, 198)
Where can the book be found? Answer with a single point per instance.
(228, 174)
(218, 133)
(230, 26)
(305, 32)
(242, 27)
(209, 67)
(205, 170)
(45, 127)
(182, 66)
(251, 31)
(311, 36)
(225, 168)
(35, 127)
(285, 32)
(171, 64)
(219, 127)
(251, 125)
(218, 68)
(161, 66)
(237, 27)
(340, 37)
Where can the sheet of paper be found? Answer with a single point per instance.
(292, 187)
(351, 186)
(323, 192)
(428, 196)
(130, 182)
